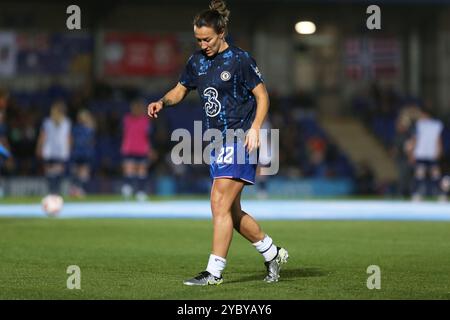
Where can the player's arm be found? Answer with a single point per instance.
(409, 146)
(440, 148)
(70, 140)
(40, 143)
(171, 98)
(262, 107)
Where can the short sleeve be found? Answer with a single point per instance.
(188, 77)
(250, 73)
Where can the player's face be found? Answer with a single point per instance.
(208, 40)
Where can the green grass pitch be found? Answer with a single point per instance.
(148, 259)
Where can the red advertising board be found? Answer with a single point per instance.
(137, 54)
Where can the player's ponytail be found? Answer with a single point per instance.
(221, 7)
(216, 17)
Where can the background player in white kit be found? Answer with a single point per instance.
(426, 149)
(54, 145)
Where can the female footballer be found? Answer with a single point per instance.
(234, 97)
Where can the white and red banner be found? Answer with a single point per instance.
(137, 54)
(372, 58)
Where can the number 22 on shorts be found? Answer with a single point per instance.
(228, 158)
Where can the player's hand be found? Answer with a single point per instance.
(252, 140)
(153, 109)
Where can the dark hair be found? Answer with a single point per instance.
(215, 17)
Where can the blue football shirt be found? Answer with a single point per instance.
(224, 83)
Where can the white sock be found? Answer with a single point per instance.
(216, 265)
(267, 248)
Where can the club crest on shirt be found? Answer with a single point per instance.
(225, 76)
(212, 106)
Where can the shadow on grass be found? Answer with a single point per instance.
(288, 274)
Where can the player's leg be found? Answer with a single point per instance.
(444, 188)
(264, 160)
(51, 177)
(420, 174)
(247, 226)
(84, 175)
(435, 175)
(223, 193)
(128, 171)
(54, 172)
(75, 188)
(142, 170)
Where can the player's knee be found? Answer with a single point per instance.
(84, 176)
(142, 169)
(219, 205)
(83, 172)
(129, 171)
(420, 172)
(435, 173)
(445, 184)
(55, 169)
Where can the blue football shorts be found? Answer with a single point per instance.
(234, 162)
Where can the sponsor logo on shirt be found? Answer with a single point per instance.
(212, 106)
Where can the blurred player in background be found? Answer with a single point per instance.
(400, 153)
(426, 149)
(264, 160)
(4, 95)
(445, 188)
(4, 144)
(54, 144)
(5, 155)
(136, 151)
(234, 97)
(83, 151)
